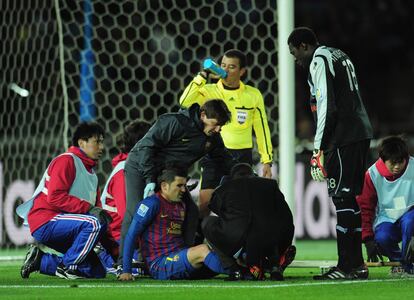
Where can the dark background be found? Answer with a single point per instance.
(377, 36)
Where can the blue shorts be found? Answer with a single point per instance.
(172, 266)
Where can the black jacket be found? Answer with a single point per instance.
(246, 206)
(176, 137)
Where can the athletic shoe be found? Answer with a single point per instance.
(119, 270)
(408, 273)
(234, 276)
(256, 273)
(361, 272)
(287, 257)
(276, 274)
(66, 273)
(243, 273)
(334, 273)
(31, 262)
(396, 271)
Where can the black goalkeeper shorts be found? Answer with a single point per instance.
(346, 168)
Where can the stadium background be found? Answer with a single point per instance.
(118, 61)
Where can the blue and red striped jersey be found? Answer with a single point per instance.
(159, 225)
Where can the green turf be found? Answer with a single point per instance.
(298, 284)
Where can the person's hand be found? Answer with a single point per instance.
(267, 171)
(373, 251)
(126, 277)
(206, 74)
(318, 172)
(149, 189)
(102, 216)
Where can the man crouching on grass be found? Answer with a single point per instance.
(158, 224)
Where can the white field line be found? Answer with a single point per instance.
(78, 284)
(12, 258)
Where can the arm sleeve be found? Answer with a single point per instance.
(367, 202)
(146, 211)
(261, 129)
(194, 92)
(156, 139)
(325, 101)
(62, 172)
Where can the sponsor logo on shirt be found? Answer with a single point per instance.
(175, 228)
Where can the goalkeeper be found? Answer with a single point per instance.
(64, 214)
(248, 113)
(343, 134)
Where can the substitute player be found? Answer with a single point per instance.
(113, 196)
(158, 222)
(341, 143)
(248, 113)
(387, 202)
(63, 212)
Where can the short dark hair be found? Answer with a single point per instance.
(393, 148)
(86, 130)
(241, 170)
(133, 132)
(216, 109)
(234, 53)
(302, 35)
(169, 173)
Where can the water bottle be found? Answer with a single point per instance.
(213, 67)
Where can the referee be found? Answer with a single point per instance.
(248, 113)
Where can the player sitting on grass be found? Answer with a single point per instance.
(158, 223)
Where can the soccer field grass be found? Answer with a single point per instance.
(298, 284)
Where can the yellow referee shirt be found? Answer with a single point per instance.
(247, 110)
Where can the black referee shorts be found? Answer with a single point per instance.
(346, 168)
(213, 170)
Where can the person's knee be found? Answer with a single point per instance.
(92, 224)
(197, 254)
(407, 223)
(383, 239)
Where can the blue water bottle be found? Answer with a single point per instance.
(213, 67)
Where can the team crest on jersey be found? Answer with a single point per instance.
(142, 210)
(241, 116)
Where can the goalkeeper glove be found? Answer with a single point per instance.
(102, 216)
(373, 251)
(318, 172)
(149, 189)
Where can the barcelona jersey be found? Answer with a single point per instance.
(158, 224)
